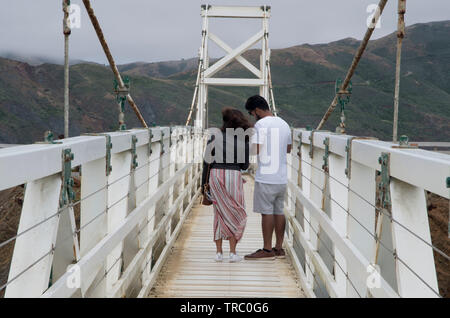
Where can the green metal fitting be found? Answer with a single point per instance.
(48, 139)
(299, 153)
(403, 143)
(384, 196)
(170, 137)
(150, 137)
(121, 97)
(348, 150)
(108, 154)
(325, 166)
(68, 195)
(448, 182)
(404, 140)
(343, 96)
(161, 141)
(134, 162)
(311, 144)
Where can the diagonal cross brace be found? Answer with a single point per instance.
(233, 54)
(239, 58)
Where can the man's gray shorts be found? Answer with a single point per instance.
(269, 198)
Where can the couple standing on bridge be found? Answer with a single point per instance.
(228, 152)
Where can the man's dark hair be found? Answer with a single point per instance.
(256, 102)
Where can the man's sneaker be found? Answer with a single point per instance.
(219, 257)
(234, 258)
(261, 254)
(279, 253)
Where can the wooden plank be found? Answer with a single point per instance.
(192, 272)
(130, 272)
(109, 242)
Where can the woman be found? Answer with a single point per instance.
(225, 180)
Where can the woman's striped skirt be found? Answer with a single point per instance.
(227, 193)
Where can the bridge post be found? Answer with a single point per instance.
(306, 173)
(339, 193)
(66, 245)
(362, 208)
(409, 209)
(93, 221)
(190, 158)
(118, 191)
(162, 207)
(154, 175)
(40, 195)
(319, 194)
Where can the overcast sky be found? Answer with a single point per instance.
(156, 30)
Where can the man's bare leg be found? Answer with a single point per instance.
(267, 229)
(280, 226)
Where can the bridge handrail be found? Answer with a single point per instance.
(126, 212)
(337, 230)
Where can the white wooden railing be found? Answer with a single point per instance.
(337, 229)
(134, 198)
(130, 215)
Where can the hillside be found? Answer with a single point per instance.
(159, 69)
(31, 97)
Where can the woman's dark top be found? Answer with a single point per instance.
(238, 159)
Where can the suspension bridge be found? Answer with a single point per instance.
(117, 214)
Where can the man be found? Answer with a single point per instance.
(271, 142)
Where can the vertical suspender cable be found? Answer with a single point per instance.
(355, 62)
(400, 36)
(274, 108)
(111, 61)
(267, 63)
(195, 94)
(66, 31)
(197, 83)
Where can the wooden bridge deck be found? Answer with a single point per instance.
(190, 270)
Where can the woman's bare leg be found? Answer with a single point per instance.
(233, 244)
(219, 246)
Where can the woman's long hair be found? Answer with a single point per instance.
(234, 118)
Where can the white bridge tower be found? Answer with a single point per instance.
(206, 72)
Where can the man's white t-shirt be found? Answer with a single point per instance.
(273, 135)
